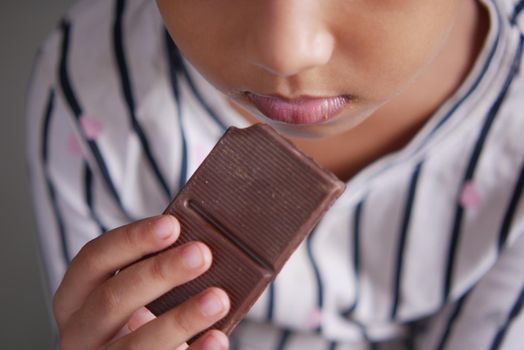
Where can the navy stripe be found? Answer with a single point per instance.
(50, 105)
(357, 218)
(470, 172)
(512, 208)
(465, 96)
(515, 311)
(73, 103)
(127, 90)
(357, 229)
(50, 187)
(173, 69)
(316, 270)
(284, 338)
(179, 61)
(270, 301)
(88, 194)
(332, 345)
(67, 90)
(372, 345)
(403, 238)
(451, 322)
(518, 9)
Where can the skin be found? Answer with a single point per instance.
(398, 60)
(96, 309)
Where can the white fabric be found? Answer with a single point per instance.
(484, 282)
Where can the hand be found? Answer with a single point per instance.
(96, 309)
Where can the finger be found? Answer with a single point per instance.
(111, 305)
(173, 328)
(100, 258)
(139, 318)
(212, 340)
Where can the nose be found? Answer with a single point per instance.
(289, 37)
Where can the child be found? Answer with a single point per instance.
(417, 104)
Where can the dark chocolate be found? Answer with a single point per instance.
(252, 201)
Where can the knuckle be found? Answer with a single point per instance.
(131, 237)
(84, 252)
(107, 300)
(158, 270)
(86, 260)
(183, 323)
(92, 265)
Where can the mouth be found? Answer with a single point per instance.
(302, 110)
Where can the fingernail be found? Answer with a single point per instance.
(163, 227)
(210, 304)
(192, 256)
(212, 343)
(140, 318)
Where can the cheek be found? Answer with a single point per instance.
(391, 48)
(206, 37)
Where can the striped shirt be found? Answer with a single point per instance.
(424, 250)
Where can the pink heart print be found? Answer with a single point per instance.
(470, 198)
(314, 319)
(73, 145)
(91, 126)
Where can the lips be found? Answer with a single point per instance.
(303, 110)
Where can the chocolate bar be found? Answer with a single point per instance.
(252, 201)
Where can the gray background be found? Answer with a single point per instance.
(24, 320)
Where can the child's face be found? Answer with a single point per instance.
(273, 56)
